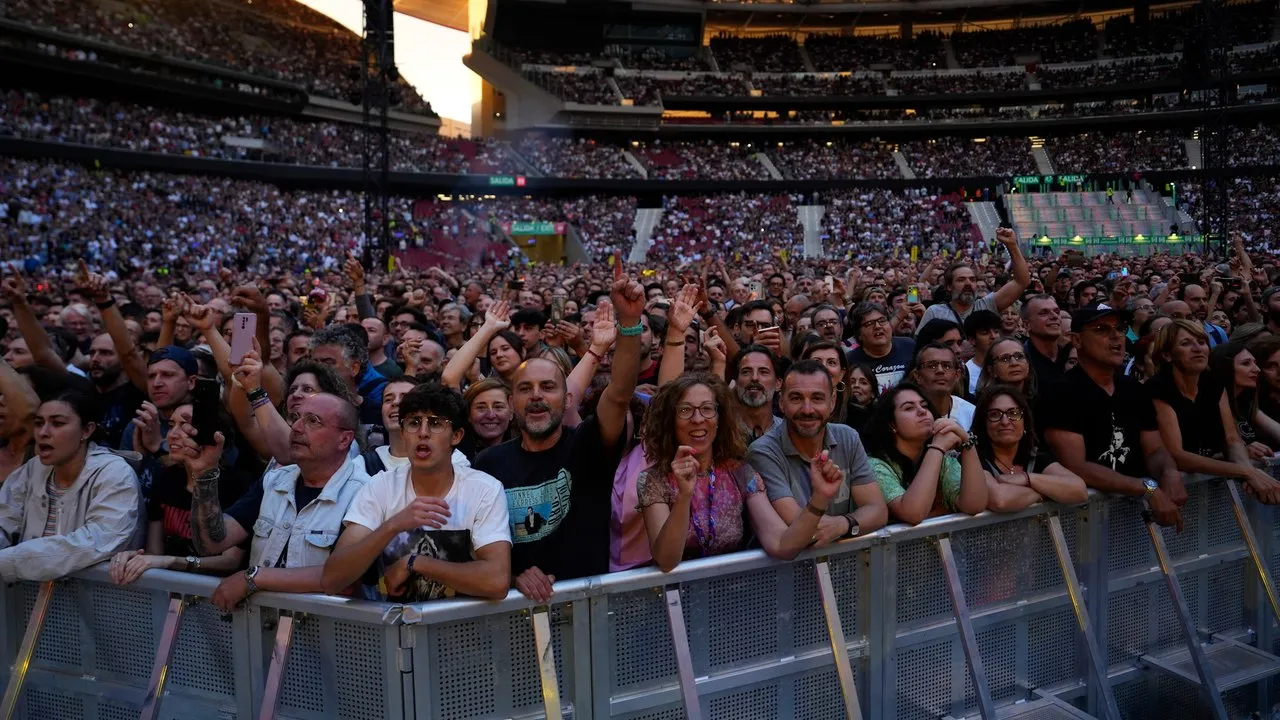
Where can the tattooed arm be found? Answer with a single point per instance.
(212, 531)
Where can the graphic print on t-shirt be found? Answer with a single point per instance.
(549, 504)
(447, 545)
(1115, 454)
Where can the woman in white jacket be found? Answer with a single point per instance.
(73, 505)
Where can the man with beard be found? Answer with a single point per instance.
(961, 282)
(118, 398)
(783, 455)
(566, 473)
(1197, 300)
(431, 528)
(754, 373)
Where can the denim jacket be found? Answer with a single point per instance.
(98, 516)
(309, 533)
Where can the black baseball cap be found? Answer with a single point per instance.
(1086, 315)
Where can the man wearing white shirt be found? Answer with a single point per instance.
(428, 529)
(393, 455)
(982, 327)
(935, 369)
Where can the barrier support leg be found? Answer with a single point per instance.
(1097, 662)
(839, 648)
(164, 656)
(22, 662)
(684, 658)
(968, 639)
(1251, 542)
(1208, 684)
(546, 662)
(279, 658)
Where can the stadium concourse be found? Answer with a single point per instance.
(909, 365)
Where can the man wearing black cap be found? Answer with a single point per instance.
(1102, 425)
(171, 376)
(982, 327)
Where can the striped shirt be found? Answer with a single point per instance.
(55, 496)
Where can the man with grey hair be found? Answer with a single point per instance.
(453, 319)
(345, 349)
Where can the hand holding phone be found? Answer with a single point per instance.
(244, 326)
(204, 411)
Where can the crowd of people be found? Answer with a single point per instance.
(89, 121)
(278, 39)
(951, 83)
(416, 435)
(1070, 41)
(827, 160)
(865, 224)
(580, 158)
(729, 225)
(774, 53)
(1114, 151)
(1110, 73)
(705, 160)
(994, 156)
(844, 53)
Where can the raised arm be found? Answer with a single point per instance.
(135, 368)
(1011, 291)
(615, 402)
(355, 275)
(1248, 273)
(270, 429)
(15, 291)
(496, 319)
(212, 531)
(679, 316)
(603, 334)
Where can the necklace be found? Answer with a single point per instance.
(707, 537)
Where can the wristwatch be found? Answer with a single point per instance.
(249, 575)
(1151, 487)
(853, 526)
(193, 563)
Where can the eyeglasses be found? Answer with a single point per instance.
(314, 422)
(750, 324)
(433, 425)
(875, 322)
(1011, 358)
(995, 416)
(937, 365)
(1117, 329)
(828, 323)
(709, 411)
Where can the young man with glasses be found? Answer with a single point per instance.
(887, 355)
(429, 529)
(1102, 425)
(293, 515)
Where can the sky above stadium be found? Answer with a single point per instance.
(429, 56)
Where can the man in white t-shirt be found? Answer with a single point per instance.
(983, 328)
(428, 529)
(393, 455)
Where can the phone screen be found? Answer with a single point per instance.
(913, 296)
(204, 410)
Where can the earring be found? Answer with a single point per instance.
(840, 387)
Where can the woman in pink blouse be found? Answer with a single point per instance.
(694, 494)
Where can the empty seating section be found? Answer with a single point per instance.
(1064, 215)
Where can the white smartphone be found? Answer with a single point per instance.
(244, 326)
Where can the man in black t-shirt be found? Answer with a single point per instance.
(887, 355)
(566, 474)
(1102, 425)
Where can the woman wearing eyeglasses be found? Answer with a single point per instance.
(1006, 364)
(1018, 471)
(694, 493)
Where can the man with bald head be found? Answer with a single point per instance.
(560, 478)
(293, 514)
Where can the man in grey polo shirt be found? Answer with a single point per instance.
(782, 456)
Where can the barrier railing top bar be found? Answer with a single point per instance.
(443, 611)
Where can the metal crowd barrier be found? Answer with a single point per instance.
(957, 617)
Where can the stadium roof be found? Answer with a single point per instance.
(449, 13)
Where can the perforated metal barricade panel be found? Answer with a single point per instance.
(336, 669)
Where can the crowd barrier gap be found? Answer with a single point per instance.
(1051, 612)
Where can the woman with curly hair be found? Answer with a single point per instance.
(693, 494)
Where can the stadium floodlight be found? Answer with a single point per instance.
(1139, 238)
(1077, 240)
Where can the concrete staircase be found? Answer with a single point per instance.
(903, 166)
(1195, 155)
(768, 165)
(985, 217)
(1041, 155)
(808, 61)
(709, 58)
(529, 168)
(953, 63)
(613, 85)
(646, 220)
(633, 162)
(811, 219)
(1063, 215)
